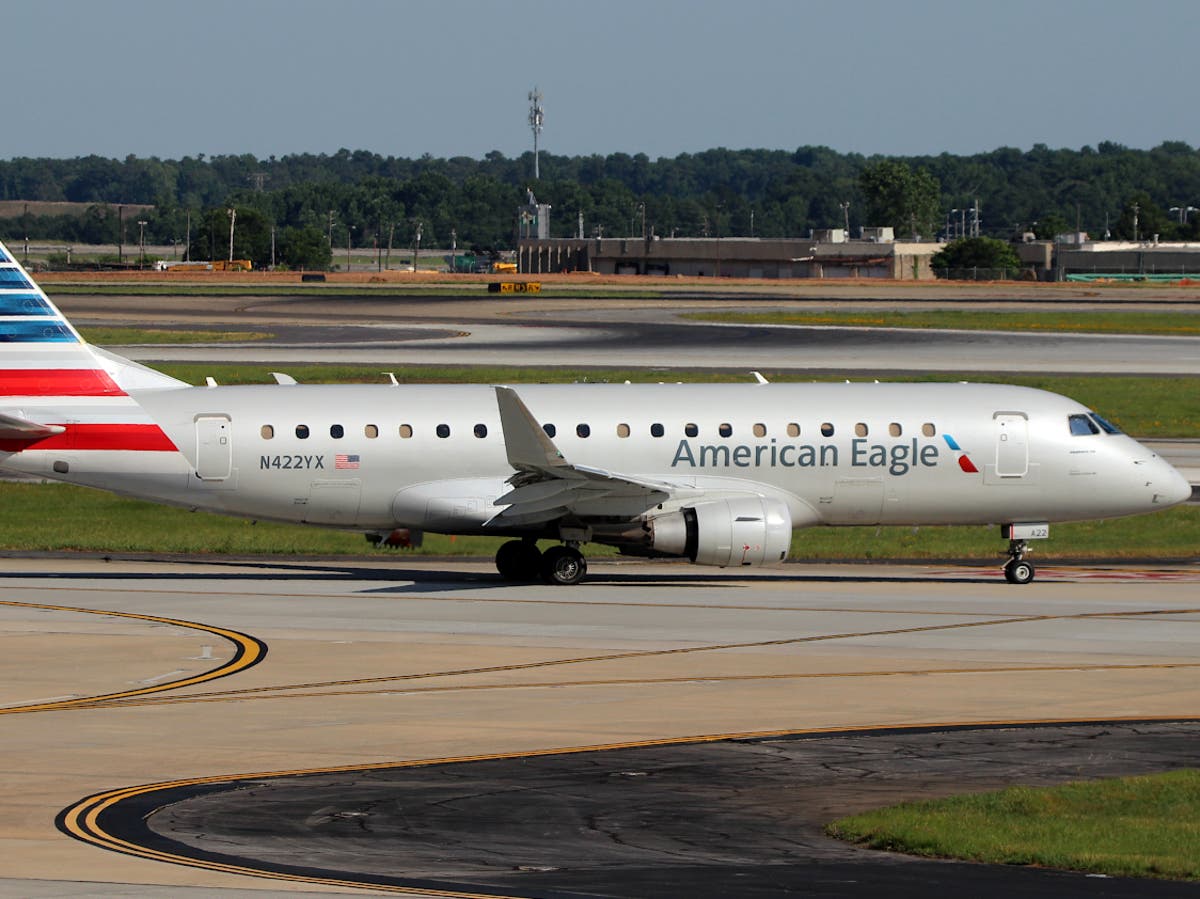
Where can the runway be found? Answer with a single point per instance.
(122, 674)
(598, 333)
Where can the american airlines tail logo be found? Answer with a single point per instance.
(964, 461)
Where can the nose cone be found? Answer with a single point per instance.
(1170, 487)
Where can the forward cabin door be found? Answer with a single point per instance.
(214, 447)
(1012, 444)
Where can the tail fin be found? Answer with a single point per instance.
(52, 381)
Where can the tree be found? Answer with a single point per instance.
(304, 248)
(975, 253)
(897, 195)
(1143, 219)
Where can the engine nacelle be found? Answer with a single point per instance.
(748, 530)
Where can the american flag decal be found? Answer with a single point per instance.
(341, 460)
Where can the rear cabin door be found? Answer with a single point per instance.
(214, 447)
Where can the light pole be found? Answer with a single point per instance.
(232, 218)
(1183, 212)
(845, 204)
(141, 243)
(417, 245)
(349, 231)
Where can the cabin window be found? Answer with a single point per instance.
(371, 431)
(1082, 426)
(760, 430)
(826, 429)
(480, 431)
(691, 429)
(443, 431)
(406, 431)
(623, 430)
(267, 431)
(860, 429)
(550, 430)
(725, 429)
(337, 432)
(894, 429)
(656, 430)
(583, 430)
(1105, 425)
(928, 429)
(793, 429)
(302, 432)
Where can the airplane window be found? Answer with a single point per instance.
(405, 431)
(793, 429)
(583, 430)
(760, 430)
(302, 431)
(826, 429)
(894, 429)
(691, 429)
(550, 430)
(371, 431)
(443, 431)
(928, 429)
(860, 429)
(1082, 426)
(480, 431)
(1105, 425)
(622, 430)
(337, 432)
(725, 429)
(656, 430)
(267, 431)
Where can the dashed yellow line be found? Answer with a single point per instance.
(248, 651)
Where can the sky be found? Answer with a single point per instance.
(170, 79)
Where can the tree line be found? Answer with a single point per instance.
(366, 199)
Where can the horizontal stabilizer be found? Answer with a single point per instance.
(22, 430)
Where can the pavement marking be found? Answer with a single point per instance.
(248, 652)
(92, 819)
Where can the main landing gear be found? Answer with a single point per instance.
(521, 560)
(1016, 569)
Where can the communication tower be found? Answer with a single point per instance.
(537, 118)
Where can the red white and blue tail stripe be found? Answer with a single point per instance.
(56, 391)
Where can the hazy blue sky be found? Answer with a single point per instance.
(271, 77)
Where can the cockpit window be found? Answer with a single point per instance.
(1105, 425)
(1083, 426)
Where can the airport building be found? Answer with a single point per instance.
(826, 254)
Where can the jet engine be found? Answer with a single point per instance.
(749, 530)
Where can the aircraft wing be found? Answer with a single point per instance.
(547, 487)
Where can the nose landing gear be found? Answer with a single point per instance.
(1016, 569)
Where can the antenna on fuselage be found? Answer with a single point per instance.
(281, 378)
(392, 378)
(758, 376)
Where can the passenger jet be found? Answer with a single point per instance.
(719, 474)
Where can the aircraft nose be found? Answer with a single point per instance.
(1170, 487)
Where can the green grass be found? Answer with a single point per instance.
(104, 336)
(1100, 321)
(50, 517)
(1129, 827)
(449, 289)
(1143, 406)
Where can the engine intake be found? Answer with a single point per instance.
(749, 530)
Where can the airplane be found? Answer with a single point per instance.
(719, 474)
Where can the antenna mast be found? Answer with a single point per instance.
(537, 118)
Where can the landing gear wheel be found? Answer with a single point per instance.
(1018, 571)
(519, 560)
(563, 565)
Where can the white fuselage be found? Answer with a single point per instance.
(433, 457)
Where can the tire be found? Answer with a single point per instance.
(519, 560)
(563, 566)
(1018, 572)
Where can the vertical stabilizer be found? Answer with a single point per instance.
(50, 376)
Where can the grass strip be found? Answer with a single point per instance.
(106, 336)
(1145, 406)
(1127, 827)
(449, 289)
(36, 517)
(1183, 324)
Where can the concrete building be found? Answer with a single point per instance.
(1127, 258)
(878, 256)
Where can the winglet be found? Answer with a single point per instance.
(529, 447)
